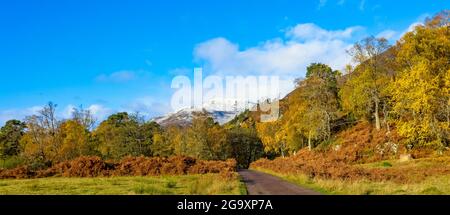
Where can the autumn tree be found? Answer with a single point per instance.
(313, 107)
(40, 143)
(421, 96)
(320, 94)
(267, 132)
(362, 94)
(75, 141)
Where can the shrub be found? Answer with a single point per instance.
(18, 172)
(130, 166)
(80, 167)
(11, 162)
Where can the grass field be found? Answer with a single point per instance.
(209, 184)
(432, 185)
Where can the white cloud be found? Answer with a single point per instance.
(68, 111)
(388, 34)
(304, 44)
(18, 114)
(286, 57)
(120, 76)
(419, 21)
(147, 107)
(412, 27)
(100, 112)
(310, 31)
(393, 35)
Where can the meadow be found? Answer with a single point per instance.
(206, 184)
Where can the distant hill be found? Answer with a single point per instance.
(222, 111)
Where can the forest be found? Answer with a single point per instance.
(401, 91)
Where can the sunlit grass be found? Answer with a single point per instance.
(417, 163)
(209, 184)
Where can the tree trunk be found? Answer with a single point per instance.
(377, 115)
(328, 126)
(448, 115)
(309, 141)
(385, 113)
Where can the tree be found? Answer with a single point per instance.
(148, 134)
(245, 145)
(206, 139)
(40, 142)
(84, 117)
(121, 135)
(324, 73)
(75, 141)
(10, 135)
(421, 99)
(169, 142)
(320, 95)
(48, 118)
(242, 138)
(313, 107)
(363, 93)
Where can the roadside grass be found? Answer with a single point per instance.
(431, 185)
(417, 163)
(242, 187)
(208, 184)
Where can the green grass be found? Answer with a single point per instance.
(433, 185)
(209, 184)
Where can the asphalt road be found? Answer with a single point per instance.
(259, 183)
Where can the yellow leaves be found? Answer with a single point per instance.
(420, 94)
(273, 136)
(416, 89)
(74, 140)
(30, 148)
(361, 90)
(446, 87)
(311, 109)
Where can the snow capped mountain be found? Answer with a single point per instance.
(222, 111)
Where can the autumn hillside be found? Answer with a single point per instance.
(381, 127)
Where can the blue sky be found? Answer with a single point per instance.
(122, 55)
